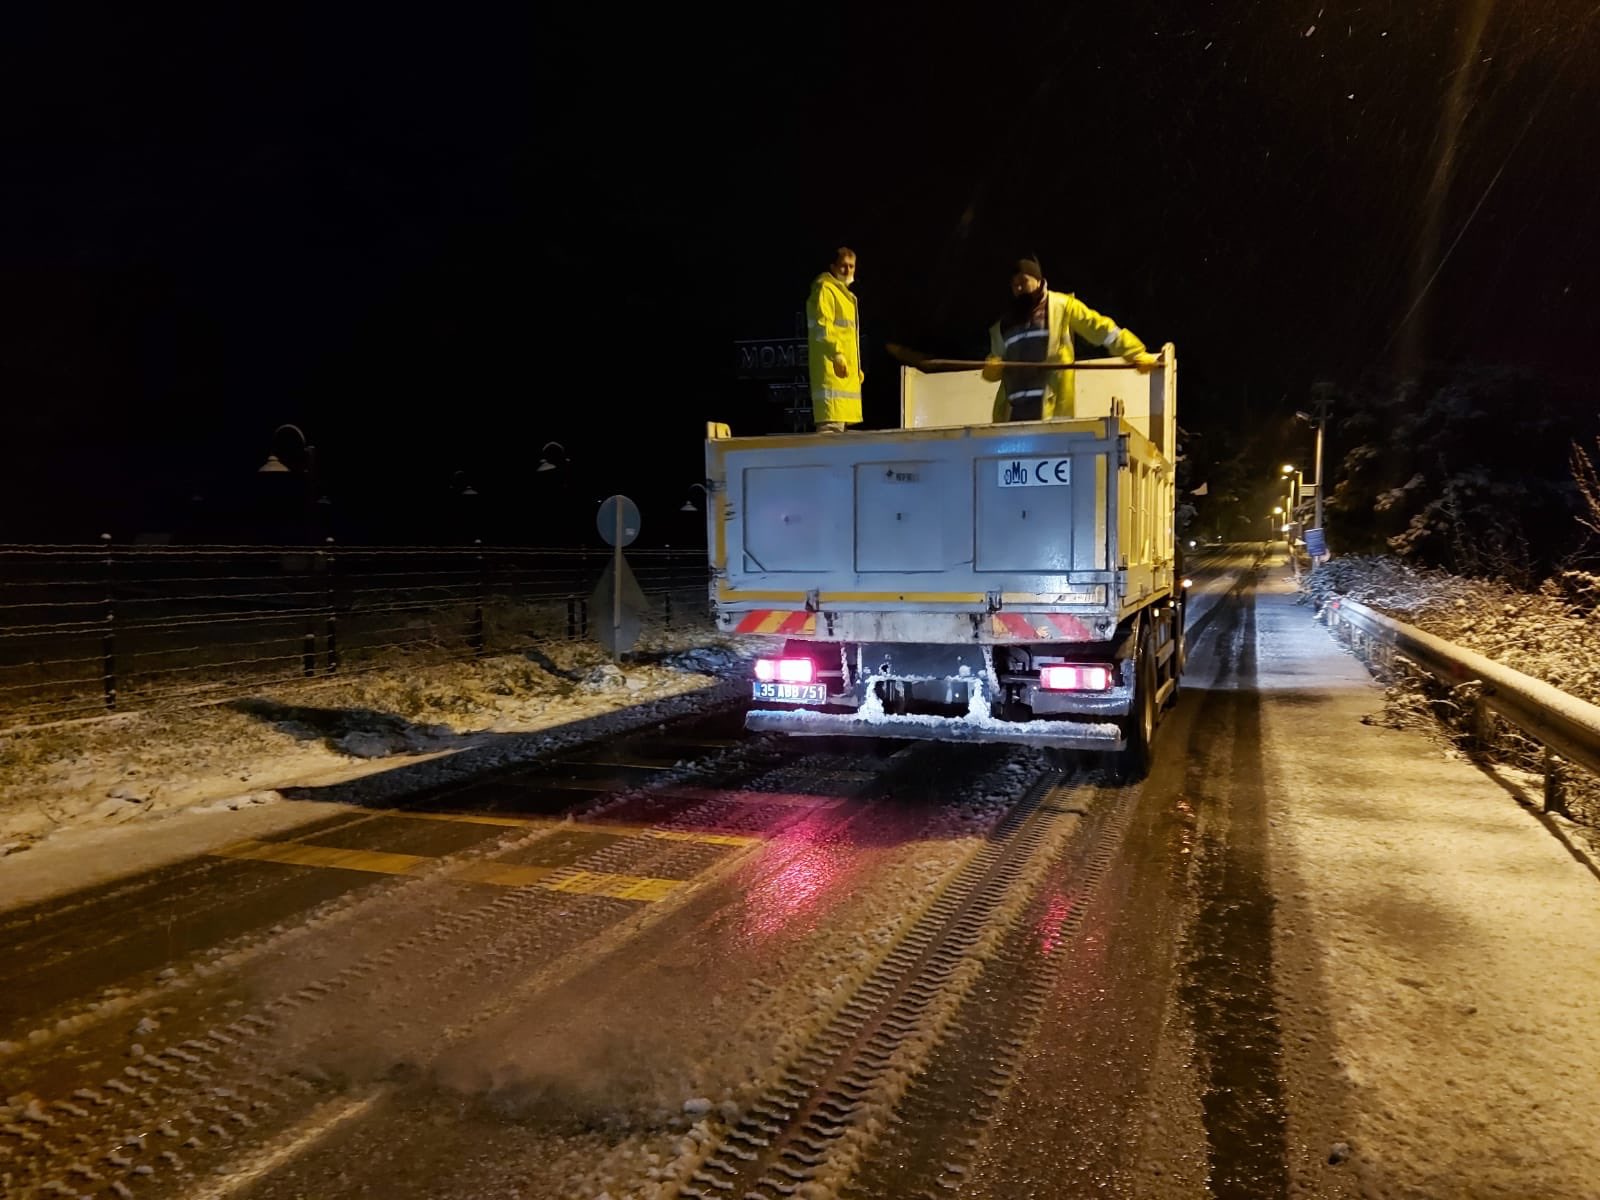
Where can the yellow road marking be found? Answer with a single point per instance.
(621, 887)
(659, 764)
(671, 835)
(299, 854)
(555, 879)
(466, 818)
(709, 839)
(501, 874)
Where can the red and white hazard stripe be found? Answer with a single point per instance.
(769, 620)
(1038, 627)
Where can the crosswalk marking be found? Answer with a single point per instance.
(500, 874)
(299, 854)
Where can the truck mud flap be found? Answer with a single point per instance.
(1060, 735)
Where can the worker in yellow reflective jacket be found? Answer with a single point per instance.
(1038, 327)
(833, 326)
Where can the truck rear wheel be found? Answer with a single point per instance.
(1139, 727)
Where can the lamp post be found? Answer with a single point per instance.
(560, 510)
(290, 441)
(465, 497)
(689, 505)
(1322, 400)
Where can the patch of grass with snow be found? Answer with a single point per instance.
(128, 766)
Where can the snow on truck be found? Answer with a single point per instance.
(956, 579)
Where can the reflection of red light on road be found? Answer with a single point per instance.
(1049, 926)
(796, 886)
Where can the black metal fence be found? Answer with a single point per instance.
(84, 630)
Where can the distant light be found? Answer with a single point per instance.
(1277, 511)
(688, 506)
(273, 466)
(1192, 543)
(545, 465)
(1287, 469)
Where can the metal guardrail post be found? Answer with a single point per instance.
(1555, 784)
(1482, 724)
(108, 636)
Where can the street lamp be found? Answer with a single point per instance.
(546, 463)
(292, 442)
(689, 504)
(301, 446)
(465, 505)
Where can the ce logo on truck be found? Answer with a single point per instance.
(1035, 472)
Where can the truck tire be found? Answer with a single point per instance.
(1139, 727)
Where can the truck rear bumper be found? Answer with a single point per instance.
(1060, 735)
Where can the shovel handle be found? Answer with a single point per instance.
(923, 363)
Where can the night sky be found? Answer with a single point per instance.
(438, 238)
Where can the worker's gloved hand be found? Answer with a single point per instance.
(840, 367)
(991, 369)
(1145, 361)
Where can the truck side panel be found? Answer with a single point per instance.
(917, 517)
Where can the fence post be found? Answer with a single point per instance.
(331, 629)
(308, 640)
(108, 633)
(477, 637)
(572, 618)
(1555, 784)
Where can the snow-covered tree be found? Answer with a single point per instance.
(1466, 470)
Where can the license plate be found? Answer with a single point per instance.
(791, 693)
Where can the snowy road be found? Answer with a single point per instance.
(688, 962)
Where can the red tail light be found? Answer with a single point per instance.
(786, 670)
(1074, 679)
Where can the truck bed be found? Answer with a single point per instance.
(1046, 530)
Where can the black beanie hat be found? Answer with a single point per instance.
(1029, 266)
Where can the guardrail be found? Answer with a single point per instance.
(1568, 728)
